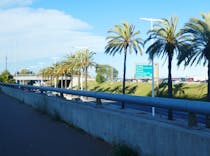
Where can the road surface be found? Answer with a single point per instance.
(25, 132)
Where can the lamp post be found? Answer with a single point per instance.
(152, 20)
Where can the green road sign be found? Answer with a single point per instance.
(143, 71)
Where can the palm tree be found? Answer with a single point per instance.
(71, 65)
(74, 65)
(123, 38)
(62, 71)
(197, 32)
(166, 40)
(56, 74)
(76, 60)
(48, 72)
(86, 62)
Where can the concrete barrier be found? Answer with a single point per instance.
(148, 136)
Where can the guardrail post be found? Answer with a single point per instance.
(207, 121)
(98, 102)
(192, 120)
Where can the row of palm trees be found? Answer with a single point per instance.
(74, 64)
(189, 45)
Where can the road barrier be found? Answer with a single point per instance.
(192, 107)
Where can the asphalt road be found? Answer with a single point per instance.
(25, 132)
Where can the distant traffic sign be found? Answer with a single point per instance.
(143, 71)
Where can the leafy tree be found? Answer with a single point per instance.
(6, 77)
(123, 38)
(108, 72)
(100, 78)
(166, 41)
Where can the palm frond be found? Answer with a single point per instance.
(123, 36)
(197, 33)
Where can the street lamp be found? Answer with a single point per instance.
(152, 20)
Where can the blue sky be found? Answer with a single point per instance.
(36, 33)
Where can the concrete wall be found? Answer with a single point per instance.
(149, 137)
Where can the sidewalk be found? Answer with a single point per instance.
(25, 132)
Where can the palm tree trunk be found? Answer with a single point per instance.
(170, 112)
(61, 81)
(55, 82)
(208, 95)
(124, 74)
(86, 75)
(51, 79)
(81, 77)
(79, 83)
(71, 81)
(65, 85)
(169, 76)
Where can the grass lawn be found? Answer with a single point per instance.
(183, 90)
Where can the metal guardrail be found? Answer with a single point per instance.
(193, 107)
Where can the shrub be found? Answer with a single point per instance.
(123, 150)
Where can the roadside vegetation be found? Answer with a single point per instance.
(121, 149)
(6, 77)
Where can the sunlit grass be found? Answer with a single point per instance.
(185, 90)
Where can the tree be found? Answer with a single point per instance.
(67, 70)
(100, 78)
(56, 73)
(197, 32)
(45, 73)
(25, 71)
(123, 38)
(166, 41)
(107, 71)
(48, 72)
(76, 59)
(72, 67)
(60, 71)
(6, 77)
(86, 57)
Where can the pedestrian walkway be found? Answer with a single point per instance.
(26, 132)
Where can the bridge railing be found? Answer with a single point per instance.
(191, 107)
